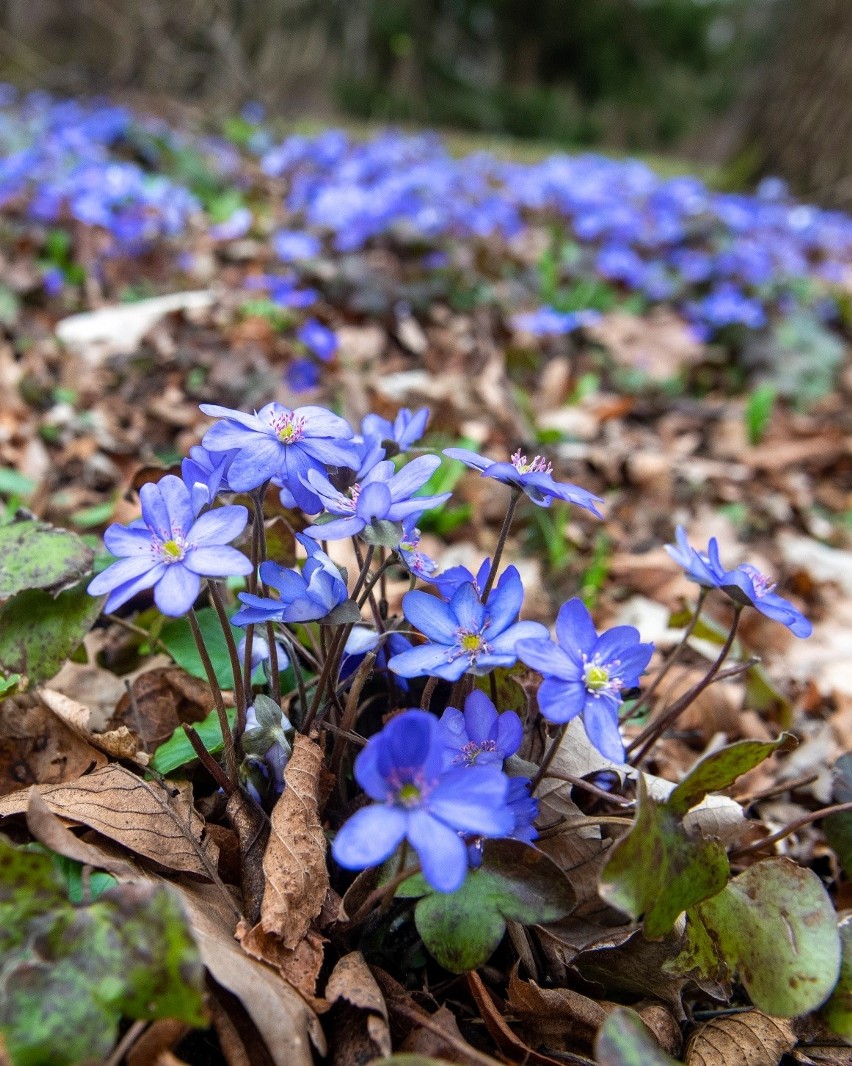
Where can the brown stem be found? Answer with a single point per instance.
(799, 823)
(649, 735)
(230, 643)
(587, 786)
(501, 543)
(428, 693)
(549, 756)
(207, 760)
(378, 895)
(227, 737)
(350, 712)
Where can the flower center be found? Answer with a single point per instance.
(596, 678)
(408, 796)
(761, 583)
(289, 428)
(169, 551)
(471, 751)
(538, 465)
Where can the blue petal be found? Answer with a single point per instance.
(548, 658)
(505, 601)
(177, 590)
(413, 476)
(256, 464)
(220, 526)
(463, 455)
(601, 723)
(119, 573)
(178, 503)
(560, 701)
(433, 617)
(575, 629)
(217, 561)
(442, 853)
(421, 661)
(480, 716)
(469, 612)
(472, 800)
(126, 541)
(369, 837)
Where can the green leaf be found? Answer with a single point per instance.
(70, 973)
(180, 643)
(758, 412)
(34, 555)
(382, 532)
(38, 632)
(13, 483)
(9, 685)
(837, 1013)
(344, 613)
(177, 750)
(838, 827)
(515, 883)
(625, 1040)
(720, 770)
(775, 923)
(656, 870)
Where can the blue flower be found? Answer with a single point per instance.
(586, 674)
(745, 585)
(548, 322)
(385, 495)
(304, 596)
(278, 442)
(400, 768)
(397, 436)
(291, 245)
(479, 736)
(266, 743)
(321, 340)
(170, 550)
(448, 581)
(415, 561)
(465, 635)
(361, 640)
(534, 477)
(205, 474)
(524, 807)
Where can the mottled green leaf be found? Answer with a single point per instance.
(515, 882)
(382, 532)
(34, 555)
(837, 1013)
(720, 769)
(625, 1040)
(776, 924)
(177, 750)
(658, 871)
(38, 631)
(68, 974)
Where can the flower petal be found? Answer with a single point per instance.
(126, 541)
(575, 629)
(122, 571)
(433, 617)
(423, 660)
(469, 612)
(472, 800)
(177, 590)
(548, 658)
(442, 853)
(369, 837)
(560, 701)
(480, 716)
(220, 526)
(601, 723)
(217, 560)
(254, 465)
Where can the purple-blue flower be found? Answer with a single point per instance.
(586, 674)
(385, 495)
(745, 585)
(291, 245)
(305, 595)
(321, 340)
(548, 322)
(448, 581)
(397, 436)
(415, 561)
(400, 768)
(525, 809)
(205, 474)
(466, 636)
(480, 736)
(534, 477)
(170, 549)
(281, 443)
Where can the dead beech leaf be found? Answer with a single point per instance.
(750, 1038)
(119, 743)
(140, 815)
(558, 1017)
(294, 863)
(159, 700)
(50, 831)
(300, 966)
(351, 980)
(284, 1020)
(509, 1043)
(36, 748)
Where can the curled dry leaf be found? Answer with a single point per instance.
(141, 815)
(294, 863)
(120, 743)
(159, 700)
(751, 1038)
(352, 981)
(300, 966)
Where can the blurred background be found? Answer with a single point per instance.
(756, 86)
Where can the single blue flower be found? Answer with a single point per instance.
(321, 340)
(415, 561)
(278, 442)
(745, 585)
(302, 375)
(291, 245)
(305, 595)
(448, 581)
(385, 494)
(586, 674)
(480, 736)
(397, 436)
(266, 743)
(170, 549)
(205, 474)
(534, 477)
(465, 635)
(400, 768)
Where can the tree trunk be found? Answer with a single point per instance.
(802, 126)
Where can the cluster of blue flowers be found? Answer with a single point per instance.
(721, 259)
(440, 784)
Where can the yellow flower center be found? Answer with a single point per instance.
(597, 678)
(172, 551)
(408, 795)
(471, 642)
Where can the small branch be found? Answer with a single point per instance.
(549, 756)
(799, 823)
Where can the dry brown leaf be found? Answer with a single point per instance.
(558, 1017)
(50, 831)
(36, 748)
(119, 743)
(140, 815)
(159, 700)
(658, 344)
(750, 1038)
(509, 1043)
(436, 1046)
(294, 864)
(161, 1037)
(300, 965)
(284, 1020)
(352, 981)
